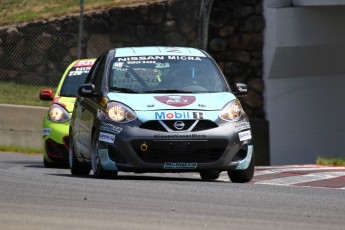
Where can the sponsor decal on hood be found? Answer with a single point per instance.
(176, 100)
(154, 102)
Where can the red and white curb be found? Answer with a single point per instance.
(298, 175)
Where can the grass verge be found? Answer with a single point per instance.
(21, 94)
(331, 161)
(17, 11)
(8, 148)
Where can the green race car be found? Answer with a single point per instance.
(56, 121)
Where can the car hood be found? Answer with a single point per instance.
(67, 102)
(151, 102)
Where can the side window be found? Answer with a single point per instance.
(96, 73)
(93, 72)
(99, 75)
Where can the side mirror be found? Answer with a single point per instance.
(87, 90)
(46, 95)
(241, 90)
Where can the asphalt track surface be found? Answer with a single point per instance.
(282, 197)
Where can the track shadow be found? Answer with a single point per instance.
(141, 177)
(40, 165)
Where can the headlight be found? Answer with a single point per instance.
(120, 113)
(57, 113)
(232, 111)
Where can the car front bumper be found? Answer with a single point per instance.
(55, 141)
(134, 149)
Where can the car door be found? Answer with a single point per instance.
(88, 107)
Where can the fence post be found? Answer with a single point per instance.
(80, 36)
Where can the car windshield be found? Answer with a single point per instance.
(165, 74)
(74, 78)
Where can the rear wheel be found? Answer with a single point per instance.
(76, 167)
(243, 176)
(97, 168)
(210, 174)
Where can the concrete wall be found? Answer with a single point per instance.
(304, 75)
(21, 125)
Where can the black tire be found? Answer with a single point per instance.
(243, 176)
(77, 168)
(97, 168)
(210, 174)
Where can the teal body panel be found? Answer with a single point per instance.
(148, 102)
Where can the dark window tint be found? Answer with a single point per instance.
(99, 75)
(75, 77)
(152, 73)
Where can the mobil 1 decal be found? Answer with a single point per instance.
(171, 115)
(176, 100)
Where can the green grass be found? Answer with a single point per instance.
(8, 148)
(331, 161)
(17, 11)
(21, 94)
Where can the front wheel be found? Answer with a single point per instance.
(97, 169)
(210, 174)
(77, 168)
(243, 176)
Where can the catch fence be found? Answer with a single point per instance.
(34, 55)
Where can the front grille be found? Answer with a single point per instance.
(115, 155)
(153, 125)
(199, 151)
(169, 125)
(204, 125)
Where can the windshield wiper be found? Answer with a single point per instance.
(168, 91)
(125, 90)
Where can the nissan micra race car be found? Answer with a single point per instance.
(160, 109)
(56, 121)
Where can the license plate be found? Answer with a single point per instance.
(180, 165)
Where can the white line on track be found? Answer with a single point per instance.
(280, 170)
(323, 173)
(302, 178)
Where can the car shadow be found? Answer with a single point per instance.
(141, 177)
(29, 164)
(121, 176)
(40, 165)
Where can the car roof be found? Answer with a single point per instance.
(158, 50)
